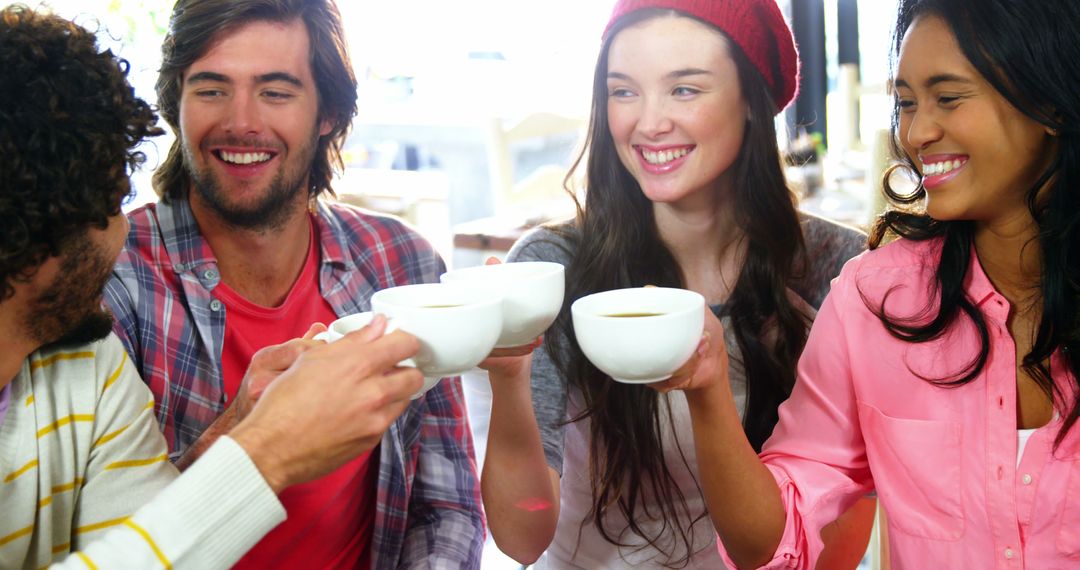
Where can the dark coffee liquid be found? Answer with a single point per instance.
(634, 315)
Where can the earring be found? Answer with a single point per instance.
(913, 177)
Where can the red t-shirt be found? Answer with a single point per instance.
(330, 520)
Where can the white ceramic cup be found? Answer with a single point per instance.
(532, 293)
(457, 325)
(357, 321)
(639, 335)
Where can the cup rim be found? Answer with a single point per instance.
(481, 298)
(690, 301)
(369, 315)
(544, 269)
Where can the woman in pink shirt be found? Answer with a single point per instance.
(940, 371)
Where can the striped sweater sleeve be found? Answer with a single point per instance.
(208, 518)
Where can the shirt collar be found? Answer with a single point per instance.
(188, 249)
(332, 237)
(5, 399)
(186, 246)
(976, 283)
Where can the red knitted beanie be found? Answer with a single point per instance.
(756, 26)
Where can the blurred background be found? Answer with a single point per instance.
(470, 113)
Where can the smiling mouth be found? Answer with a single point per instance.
(662, 157)
(943, 167)
(243, 158)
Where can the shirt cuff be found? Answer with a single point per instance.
(791, 552)
(228, 501)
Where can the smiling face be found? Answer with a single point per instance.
(979, 155)
(249, 124)
(675, 107)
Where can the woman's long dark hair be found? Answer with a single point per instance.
(616, 243)
(1028, 52)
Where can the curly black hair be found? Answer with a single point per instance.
(69, 123)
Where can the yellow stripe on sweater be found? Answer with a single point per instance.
(16, 535)
(137, 462)
(63, 422)
(86, 560)
(60, 489)
(116, 373)
(113, 435)
(16, 474)
(150, 541)
(61, 548)
(109, 437)
(58, 357)
(99, 526)
(29, 400)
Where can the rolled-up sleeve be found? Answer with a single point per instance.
(816, 453)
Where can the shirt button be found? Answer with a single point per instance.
(179, 268)
(1026, 479)
(1009, 553)
(210, 274)
(215, 305)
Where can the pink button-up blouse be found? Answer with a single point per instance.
(943, 461)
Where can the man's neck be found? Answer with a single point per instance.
(261, 266)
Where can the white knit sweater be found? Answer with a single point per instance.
(80, 452)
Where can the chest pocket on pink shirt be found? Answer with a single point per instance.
(1068, 536)
(916, 470)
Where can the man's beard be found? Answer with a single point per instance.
(267, 213)
(69, 311)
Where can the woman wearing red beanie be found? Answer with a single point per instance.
(684, 188)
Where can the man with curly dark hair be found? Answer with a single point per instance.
(240, 253)
(84, 468)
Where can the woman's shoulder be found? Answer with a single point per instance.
(828, 246)
(901, 253)
(555, 242)
(900, 265)
(822, 235)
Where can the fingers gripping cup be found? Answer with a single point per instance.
(532, 293)
(639, 335)
(457, 325)
(355, 322)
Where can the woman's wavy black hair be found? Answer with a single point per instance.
(616, 244)
(69, 124)
(1028, 51)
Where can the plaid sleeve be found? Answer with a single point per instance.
(446, 524)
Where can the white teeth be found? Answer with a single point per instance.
(244, 157)
(664, 156)
(937, 168)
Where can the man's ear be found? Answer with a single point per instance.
(325, 126)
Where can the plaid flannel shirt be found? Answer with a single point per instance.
(428, 500)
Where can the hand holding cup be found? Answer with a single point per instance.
(334, 402)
